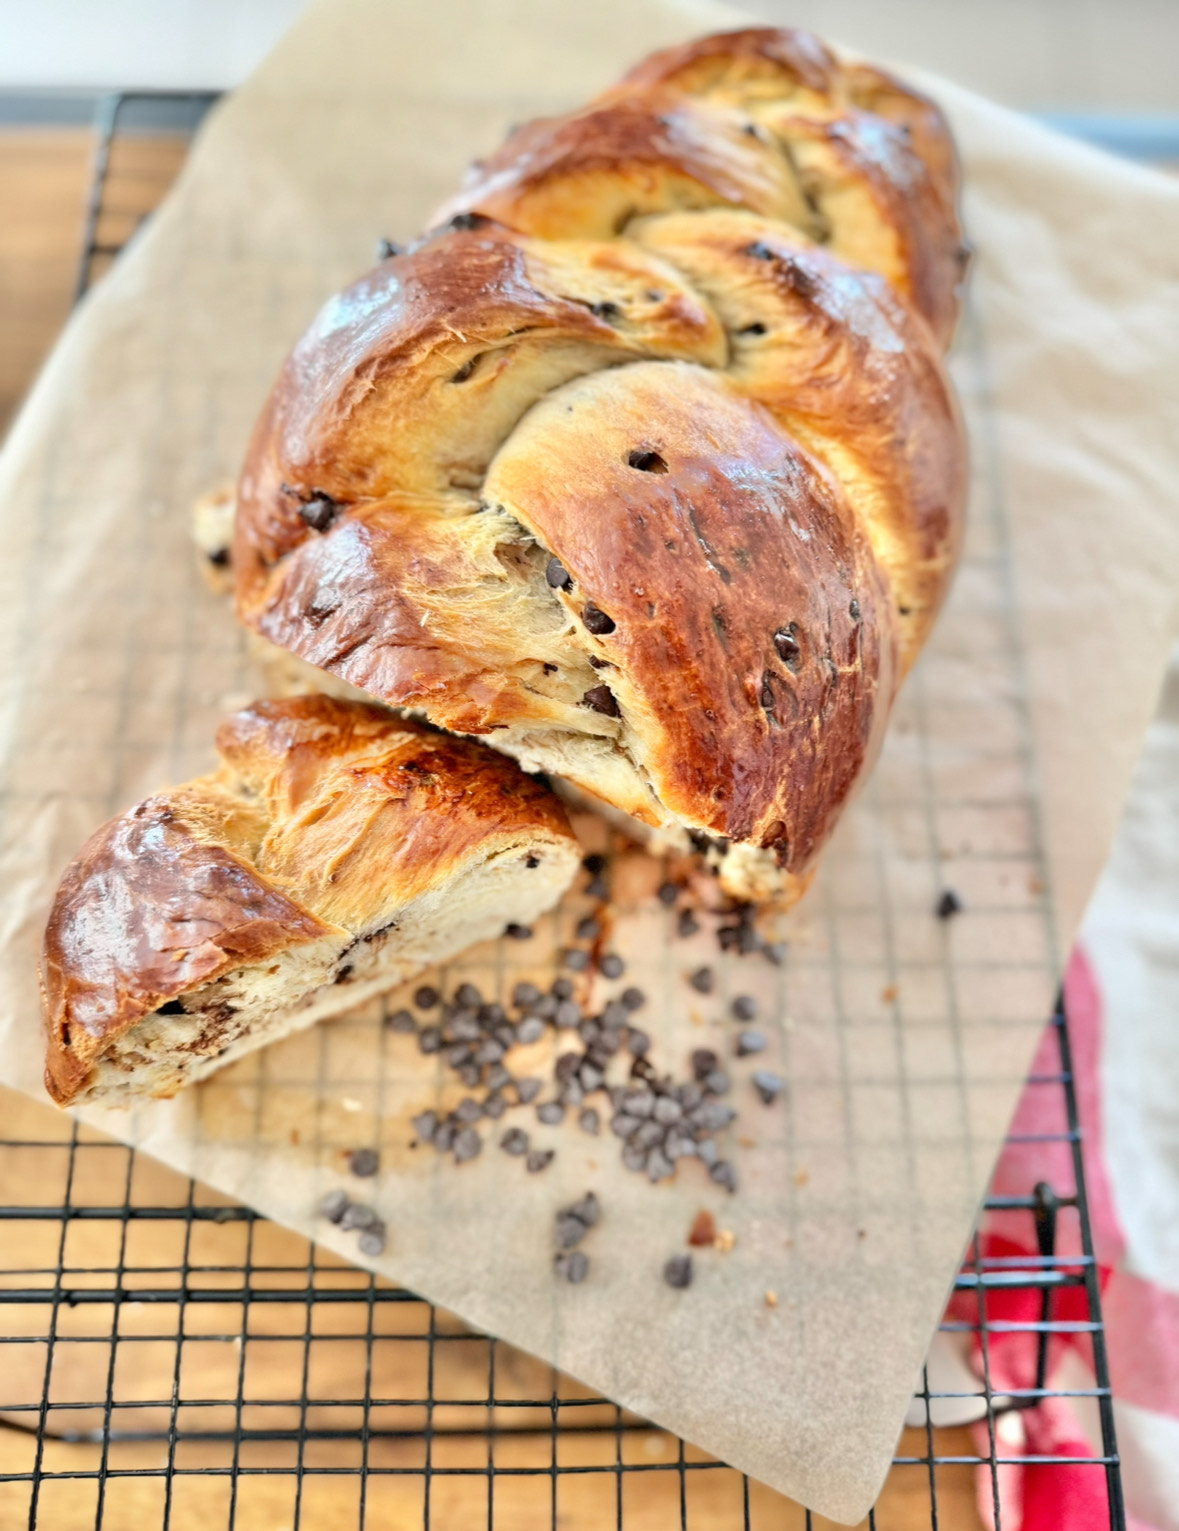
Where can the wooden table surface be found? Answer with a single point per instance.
(44, 175)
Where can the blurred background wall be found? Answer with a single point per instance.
(1064, 55)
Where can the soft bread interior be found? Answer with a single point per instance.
(259, 1003)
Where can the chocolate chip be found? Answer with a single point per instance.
(750, 1042)
(425, 1125)
(492, 1014)
(372, 1240)
(667, 1110)
(518, 932)
(592, 1078)
(759, 250)
(650, 1135)
(768, 1085)
(539, 1159)
(659, 1166)
(468, 221)
(588, 929)
(677, 1145)
(465, 1028)
(744, 1007)
(632, 999)
(638, 1043)
(494, 1107)
(622, 1125)
(646, 461)
(528, 1089)
(551, 1113)
(430, 1039)
(426, 997)
(853, 611)
(364, 1162)
(468, 1110)
(497, 1077)
(469, 1074)
(704, 1060)
(594, 864)
(689, 1095)
(530, 1030)
(531, 862)
(589, 1121)
(606, 310)
(948, 905)
(640, 1103)
(319, 511)
(588, 1209)
(334, 1205)
(568, 1014)
(634, 1158)
(702, 980)
(668, 893)
(677, 1271)
(788, 647)
(467, 1145)
(525, 994)
(570, 1230)
(774, 952)
(557, 575)
(574, 1266)
(514, 1141)
(356, 1215)
(717, 1082)
(707, 1151)
(712, 1116)
(491, 1052)
(756, 328)
(723, 1173)
(613, 966)
(386, 249)
(577, 961)
(688, 923)
(468, 996)
(459, 1054)
(572, 1094)
(561, 988)
(402, 1021)
(596, 622)
(444, 1136)
(597, 888)
(614, 1015)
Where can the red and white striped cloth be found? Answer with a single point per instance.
(1122, 1000)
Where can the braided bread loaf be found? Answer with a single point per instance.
(643, 463)
(338, 850)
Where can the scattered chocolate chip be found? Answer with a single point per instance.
(597, 888)
(514, 1141)
(640, 1103)
(516, 932)
(430, 1039)
(468, 1110)
(546, 1007)
(601, 699)
(467, 1145)
(723, 1173)
(659, 1166)
(459, 1054)
(677, 1271)
(557, 575)
(712, 1116)
(948, 905)
(688, 923)
(491, 1051)
(468, 221)
(539, 1159)
(703, 1230)
(342, 976)
(334, 1205)
(589, 1121)
(853, 611)
(634, 1158)
(596, 622)
(749, 1042)
(364, 1162)
(530, 1030)
(444, 1136)
(497, 1077)
(528, 1089)
(551, 1113)
(744, 1007)
(667, 1110)
(594, 864)
(623, 1125)
(401, 1021)
(650, 1134)
(704, 1060)
(425, 1125)
(702, 980)
(468, 996)
(372, 1240)
(465, 1028)
(574, 1266)
(756, 328)
(219, 558)
(570, 1230)
(494, 1107)
(613, 966)
(426, 997)
(775, 952)
(646, 461)
(632, 999)
(606, 311)
(319, 512)
(357, 1215)
(469, 1074)
(717, 1082)
(577, 961)
(788, 647)
(525, 994)
(668, 893)
(768, 1085)
(387, 248)
(707, 1152)
(588, 929)
(638, 1043)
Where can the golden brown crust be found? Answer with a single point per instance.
(749, 220)
(322, 812)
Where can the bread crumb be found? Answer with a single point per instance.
(889, 995)
(771, 1298)
(801, 1176)
(725, 1240)
(747, 1142)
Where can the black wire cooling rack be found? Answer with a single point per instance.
(168, 1359)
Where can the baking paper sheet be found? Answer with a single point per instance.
(904, 1039)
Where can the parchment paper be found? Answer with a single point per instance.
(904, 1039)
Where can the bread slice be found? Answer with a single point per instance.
(338, 850)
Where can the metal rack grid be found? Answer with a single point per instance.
(410, 1435)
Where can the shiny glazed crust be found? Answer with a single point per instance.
(643, 463)
(325, 824)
